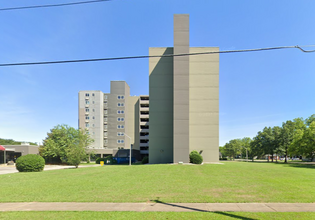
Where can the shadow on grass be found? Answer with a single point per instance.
(308, 165)
(202, 210)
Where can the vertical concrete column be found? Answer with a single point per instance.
(181, 89)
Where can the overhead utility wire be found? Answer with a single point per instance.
(53, 5)
(155, 56)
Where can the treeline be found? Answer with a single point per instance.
(13, 142)
(294, 138)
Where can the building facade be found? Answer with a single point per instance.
(183, 114)
(184, 100)
(112, 120)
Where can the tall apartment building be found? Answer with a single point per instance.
(184, 106)
(112, 119)
(184, 100)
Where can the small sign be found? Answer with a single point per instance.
(102, 163)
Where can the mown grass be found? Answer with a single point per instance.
(154, 215)
(230, 182)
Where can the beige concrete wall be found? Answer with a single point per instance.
(181, 89)
(132, 125)
(204, 103)
(161, 106)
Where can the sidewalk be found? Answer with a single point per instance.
(160, 207)
(11, 168)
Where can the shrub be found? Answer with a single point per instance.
(98, 160)
(195, 157)
(105, 159)
(145, 160)
(30, 163)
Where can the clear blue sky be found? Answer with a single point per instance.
(256, 89)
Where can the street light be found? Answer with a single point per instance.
(130, 149)
(246, 154)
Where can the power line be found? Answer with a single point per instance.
(156, 56)
(53, 5)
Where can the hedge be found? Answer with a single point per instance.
(30, 163)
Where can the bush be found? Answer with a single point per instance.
(98, 160)
(105, 159)
(145, 160)
(223, 158)
(30, 163)
(195, 157)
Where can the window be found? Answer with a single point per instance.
(105, 118)
(120, 119)
(120, 104)
(105, 126)
(87, 117)
(105, 134)
(120, 97)
(105, 96)
(93, 117)
(93, 102)
(120, 141)
(87, 94)
(87, 102)
(106, 141)
(93, 110)
(120, 112)
(105, 112)
(92, 94)
(120, 133)
(93, 132)
(87, 110)
(120, 126)
(93, 125)
(87, 125)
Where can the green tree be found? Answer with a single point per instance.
(304, 140)
(277, 147)
(245, 145)
(66, 144)
(233, 148)
(287, 134)
(267, 141)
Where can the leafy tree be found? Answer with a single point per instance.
(277, 147)
(233, 148)
(245, 145)
(267, 141)
(304, 140)
(256, 147)
(287, 134)
(66, 144)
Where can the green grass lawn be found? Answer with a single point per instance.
(230, 182)
(153, 215)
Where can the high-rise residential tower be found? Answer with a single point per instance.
(184, 100)
(112, 119)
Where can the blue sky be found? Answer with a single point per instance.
(256, 89)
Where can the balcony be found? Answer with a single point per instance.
(144, 101)
(144, 116)
(144, 130)
(144, 123)
(144, 144)
(144, 137)
(144, 109)
(144, 151)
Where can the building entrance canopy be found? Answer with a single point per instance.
(2, 148)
